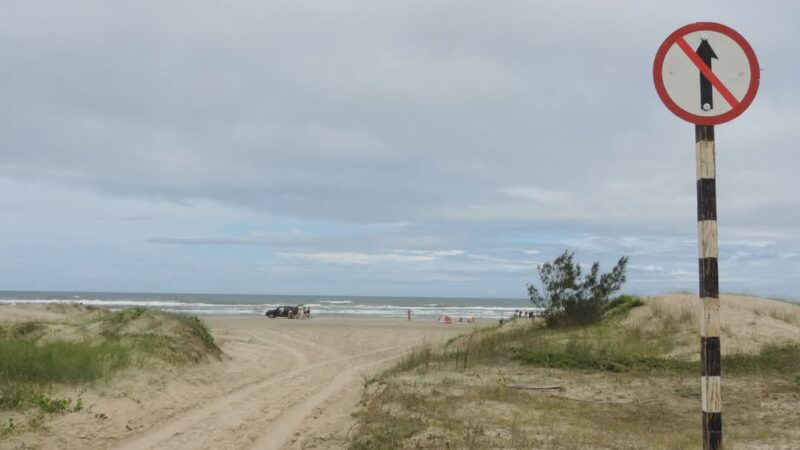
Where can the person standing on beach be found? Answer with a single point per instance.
(409, 315)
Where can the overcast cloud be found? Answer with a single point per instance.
(379, 148)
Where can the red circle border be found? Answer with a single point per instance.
(658, 64)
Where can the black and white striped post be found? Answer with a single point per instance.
(723, 93)
(711, 396)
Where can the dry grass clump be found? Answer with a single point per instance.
(483, 408)
(626, 383)
(784, 315)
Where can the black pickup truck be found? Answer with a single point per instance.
(281, 311)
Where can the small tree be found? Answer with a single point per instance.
(567, 299)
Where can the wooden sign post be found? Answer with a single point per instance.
(706, 93)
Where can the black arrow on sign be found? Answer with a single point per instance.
(706, 53)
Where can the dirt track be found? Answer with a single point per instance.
(297, 383)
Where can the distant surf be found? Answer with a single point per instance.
(247, 305)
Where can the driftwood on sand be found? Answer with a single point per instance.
(535, 388)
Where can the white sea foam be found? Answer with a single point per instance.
(98, 302)
(318, 308)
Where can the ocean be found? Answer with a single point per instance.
(253, 305)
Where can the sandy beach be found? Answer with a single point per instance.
(280, 384)
(294, 384)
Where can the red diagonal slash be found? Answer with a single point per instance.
(716, 82)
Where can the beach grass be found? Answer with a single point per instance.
(60, 362)
(495, 415)
(614, 384)
(36, 356)
(605, 347)
(198, 328)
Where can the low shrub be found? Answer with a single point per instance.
(570, 299)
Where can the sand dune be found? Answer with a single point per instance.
(285, 384)
(746, 323)
(280, 384)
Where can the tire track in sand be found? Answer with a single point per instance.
(291, 419)
(211, 412)
(177, 423)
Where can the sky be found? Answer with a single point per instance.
(391, 148)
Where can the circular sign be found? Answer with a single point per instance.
(706, 73)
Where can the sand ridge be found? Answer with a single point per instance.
(280, 384)
(284, 384)
(746, 323)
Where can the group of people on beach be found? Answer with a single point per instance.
(526, 314)
(409, 315)
(519, 314)
(302, 313)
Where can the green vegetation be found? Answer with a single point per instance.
(771, 360)
(126, 315)
(22, 330)
(570, 300)
(28, 395)
(55, 405)
(33, 361)
(60, 361)
(617, 383)
(171, 337)
(604, 347)
(198, 328)
(478, 414)
(621, 305)
(604, 357)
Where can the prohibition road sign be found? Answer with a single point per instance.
(706, 73)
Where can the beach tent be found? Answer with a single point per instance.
(444, 319)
